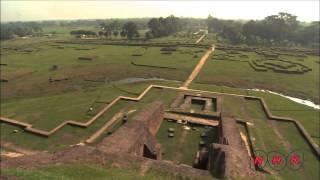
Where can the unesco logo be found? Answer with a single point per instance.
(277, 160)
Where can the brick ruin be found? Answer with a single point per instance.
(228, 157)
(137, 136)
(211, 104)
(136, 140)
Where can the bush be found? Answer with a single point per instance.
(89, 58)
(168, 49)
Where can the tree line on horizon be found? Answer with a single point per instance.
(158, 27)
(8, 31)
(281, 29)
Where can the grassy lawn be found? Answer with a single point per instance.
(30, 97)
(232, 105)
(48, 111)
(263, 135)
(265, 138)
(183, 146)
(279, 106)
(65, 111)
(261, 127)
(310, 166)
(66, 136)
(29, 73)
(237, 72)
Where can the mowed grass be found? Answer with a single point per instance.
(163, 95)
(263, 134)
(264, 137)
(111, 63)
(240, 74)
(69, 135)
(279, 106)
(49, 111)
(183, 147)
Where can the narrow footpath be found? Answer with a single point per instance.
(197, 69)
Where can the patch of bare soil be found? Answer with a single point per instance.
(18, 149)
(10, 154)
(181, 141)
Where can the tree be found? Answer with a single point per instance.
(116, 33)
(106, 34)
(130, 28)
(6, 33)
(215, 25)
(232, 33)
(8, 30)
(101, 33)
(309, 35)
(115, 25)
(164, 26)
(148, 35)
(123, 34)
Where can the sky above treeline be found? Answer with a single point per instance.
(307, 10)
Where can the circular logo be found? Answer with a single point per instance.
(259, 160)
(276, 160)
(295, 160)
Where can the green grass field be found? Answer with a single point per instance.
(29, 74)
(238, 73)
(61, 111)
(28, 96)
(268, 135)
(183, 147)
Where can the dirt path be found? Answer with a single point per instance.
(18, 150)
(200, 39)
(116, 117)
(197, 69)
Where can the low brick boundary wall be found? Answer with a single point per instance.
(301, 129)
(109, 123)
(29, 128)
